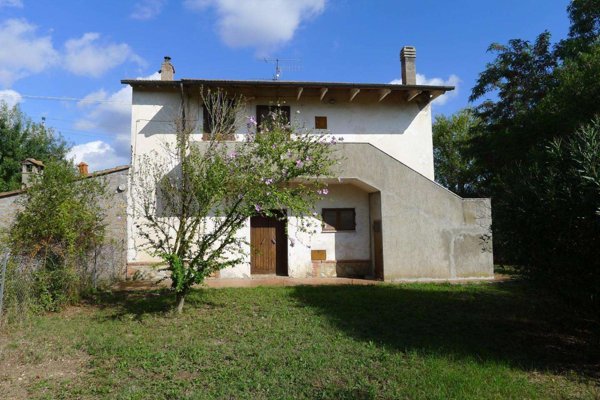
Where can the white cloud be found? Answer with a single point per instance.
(22, 51)
(11, 3)
(87, 56)
(263, 24)
(147, 9)
(108, 113)
(10, 97)
(97, 154)
(452, 80)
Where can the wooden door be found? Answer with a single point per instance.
(378, 249)
(268, 246)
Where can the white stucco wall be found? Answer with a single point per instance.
(339, 246)
(398, 128)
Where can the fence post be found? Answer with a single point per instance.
(3, 262)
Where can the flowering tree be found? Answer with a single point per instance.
(193, 198)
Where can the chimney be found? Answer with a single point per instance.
(83, 169)
(167, 70)
(408, 54)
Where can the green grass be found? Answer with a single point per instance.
(329, 342)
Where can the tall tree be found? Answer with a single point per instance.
(538, 154)
(454, 167)
(519, 78)
(20, 138)
(584, 30)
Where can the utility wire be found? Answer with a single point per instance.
(56, 98)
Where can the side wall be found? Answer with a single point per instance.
(428, 232)
(111, 260)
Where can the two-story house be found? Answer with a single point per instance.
(384, 216)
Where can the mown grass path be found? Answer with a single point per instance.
(368, 342)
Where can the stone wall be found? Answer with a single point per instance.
(111, 258)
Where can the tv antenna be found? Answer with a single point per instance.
(283, 64)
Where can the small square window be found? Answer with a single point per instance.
(338, 219)
(320, 122)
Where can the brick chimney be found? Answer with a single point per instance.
(167, 70)
(408, 55)
(83, 169)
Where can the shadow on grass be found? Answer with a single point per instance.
(141, 303)
(505, 323)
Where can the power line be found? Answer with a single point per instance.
(56, 98)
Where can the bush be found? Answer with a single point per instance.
(548, 221)
(59, 227)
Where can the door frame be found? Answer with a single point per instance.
(281, 242)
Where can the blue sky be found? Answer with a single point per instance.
(55, 53)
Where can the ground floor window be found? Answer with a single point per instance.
(338, 219)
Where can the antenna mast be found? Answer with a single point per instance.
(280, 65)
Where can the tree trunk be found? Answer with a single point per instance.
(180, 299)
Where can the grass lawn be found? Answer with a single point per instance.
(329, 342)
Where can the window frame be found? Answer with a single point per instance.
(326, 227)
(207, 128)
(321, 120)
(260, 108)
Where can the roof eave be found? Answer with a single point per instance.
(281, 84)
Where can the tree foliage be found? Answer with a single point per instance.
(20, 138)
(548, 218)
(194, 198)
(536, 152)
(59, 225)
(454, 167)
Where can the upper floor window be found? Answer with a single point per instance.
(219, 122)
(320, 122)
(265, 112)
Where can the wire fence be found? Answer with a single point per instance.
(28, 285)
(17, 295)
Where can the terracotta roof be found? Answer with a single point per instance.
(34, 161)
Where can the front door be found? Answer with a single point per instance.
(268, 246)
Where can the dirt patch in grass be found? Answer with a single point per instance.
(17, 375)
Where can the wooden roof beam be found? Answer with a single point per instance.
(412, 94)
(323, 93)
(300, 90)
(383, 93)
(435, 94)
(353, 93)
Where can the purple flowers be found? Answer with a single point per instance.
(232, 155)
(323, 191)
(257, 208)
(268, 181)
(299, 163)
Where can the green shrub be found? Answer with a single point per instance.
(59, 227)
(548, 220)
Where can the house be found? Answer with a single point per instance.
(384, 217)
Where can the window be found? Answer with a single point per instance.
(338, 219)
(224, 123)
(262, 112)
(320, 122)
